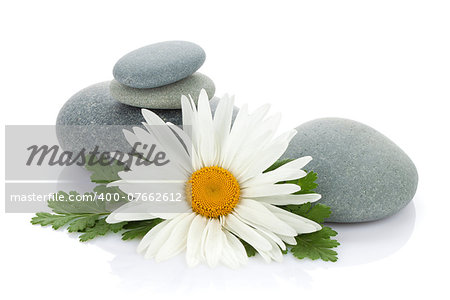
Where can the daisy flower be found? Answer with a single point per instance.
(227, 195)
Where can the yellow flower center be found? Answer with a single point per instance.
(212, 191)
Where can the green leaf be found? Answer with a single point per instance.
(57, 221)
(75, 203)
(83, 213)
(116, 227)
(248, 248)
(277, 164)
(317, 213)
(307, 183)
(101, 228)
(76, 222)
(138, 229)
(104, 174)
(316, 245)
(82, 223)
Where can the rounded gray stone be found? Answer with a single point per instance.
(165, 97)
(84, 120)
(159, 64)
(362, 175)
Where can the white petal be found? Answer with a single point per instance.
(193, 253)
(236, 247)
(254, 141)
(270, 154)
(214, 242)
(289, 199)
(237, 135)
(247, 146)
(222, 124)
(176, 242)
(131, 211)
(162, 236)
(274, 176)
(166, 138)
(257, 213)
(258, 116)
(269, 190)
(148, 238)
(288, 239)
(206, 130)
(148, 193)
(152, 172)
(301, 226)
(243, 132)
(299, 223)
(274, 253)
(266, 232)
(186, 139)
(227, 258)
(187, 115)
(170, 215)
(274, 237)
(141, 146)
(247, 233)
(264, 255)
(130, 137)
(298, 163)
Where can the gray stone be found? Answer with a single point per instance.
(165, 97)
(362, 175)
(159, 64)
(85, 120)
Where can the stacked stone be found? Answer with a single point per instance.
(152, 77)
(157, 75)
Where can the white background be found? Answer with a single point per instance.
(383, 63)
